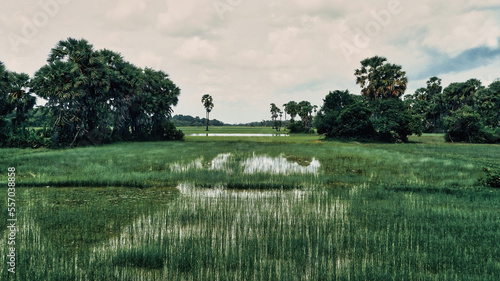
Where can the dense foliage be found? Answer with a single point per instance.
(465, 111)
(187, 120)
(93, 97)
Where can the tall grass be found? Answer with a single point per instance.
(359, 233)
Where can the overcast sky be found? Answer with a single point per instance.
(250, 53)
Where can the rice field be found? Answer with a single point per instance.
(288, 208)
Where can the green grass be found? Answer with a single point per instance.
(373, 211)
(425, 164)
(350, 234)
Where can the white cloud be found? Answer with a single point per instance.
(126, 8)
(197, 50)
(186, 17)
(261, 51)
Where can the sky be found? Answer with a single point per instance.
(247, 54)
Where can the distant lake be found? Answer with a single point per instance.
(237, 135)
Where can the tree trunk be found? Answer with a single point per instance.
(207, 121)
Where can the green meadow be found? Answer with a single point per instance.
(292, 207)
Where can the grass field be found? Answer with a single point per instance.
(254, 208)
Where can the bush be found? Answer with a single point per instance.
(391, 120)
(492, 178)
(166, 131)
(465, 125)
(296, 127)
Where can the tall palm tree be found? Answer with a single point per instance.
(208, 103)
(380, 80)
(274, 115)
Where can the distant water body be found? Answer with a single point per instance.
(237, 135)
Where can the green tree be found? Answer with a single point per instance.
(459, 94)
(392, 120)
(427, 104)
(344, 115)
(274, 116)
(292, 108)
(380, 80)
(96, 96)
(465, 125)
(161, 94)
(76, 83)
(487, 104)
(305, 113)
(21, 99)
(6, 106)
(208, 103)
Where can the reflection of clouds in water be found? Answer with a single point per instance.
(196, 164)
(219, 162)
(278, 165)
(255, 164)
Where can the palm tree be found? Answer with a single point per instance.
(380, 80)
(208, 103)
(292, 108)
(274, 115)
(21, 99)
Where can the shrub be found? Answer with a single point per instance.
(492, 178)
(391, 120)
(465, 125)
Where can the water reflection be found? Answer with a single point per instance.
(278, 165)
(255, 164)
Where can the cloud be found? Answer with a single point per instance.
(197, 50)
(186, 18)
(124, 9)
(469, 59)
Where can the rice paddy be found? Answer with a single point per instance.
(260, 208)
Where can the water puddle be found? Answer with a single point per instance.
(279, 165)
(236, 135)
(252, 165)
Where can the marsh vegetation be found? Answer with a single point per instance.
(259, 208)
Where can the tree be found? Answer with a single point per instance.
(208, 103)
(21, 100)
(392, 120)
(457, 95)
(274, 116)
(97, 97)
(292, 108)
(5, 106)
(465, 125)
(380, 80)
(344, 115)
(427, 104)
(305, 112)
(487, 104)
(76, 83)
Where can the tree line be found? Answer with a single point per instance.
(93, 97)
(464, 111)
